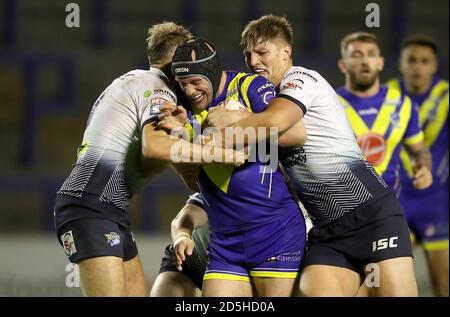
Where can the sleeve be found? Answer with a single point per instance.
(300, 87)
(413, 133)
(259, 93)
(196, 199)
(152, 101)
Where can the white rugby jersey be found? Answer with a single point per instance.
(108, 162)
(329, 172)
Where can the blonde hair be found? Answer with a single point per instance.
(162, 38)
(364, 37)
(267, 28)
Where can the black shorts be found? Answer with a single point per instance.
(193, 267)
(89, 237)
(354, 241)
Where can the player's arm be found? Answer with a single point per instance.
(190, 217)
(415, 145)
(421, 157)
(220, 117)
(158, 144)
(280, 114)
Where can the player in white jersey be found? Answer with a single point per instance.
(357, 220)
(122, 147)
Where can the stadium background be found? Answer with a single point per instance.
(50, 75)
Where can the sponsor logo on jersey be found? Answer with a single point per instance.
(268, 96)
(112, 238)
(265, 86)
(367, 112)
(164, 92)
(181, 70)
(373, 147)
(301, 73)
(291, 85)
(154, 110)
(68, 243)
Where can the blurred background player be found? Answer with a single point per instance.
(122, 147)
(255, 224)
(382, 118)
(427, 210)
(350, 205)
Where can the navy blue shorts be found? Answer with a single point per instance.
(354, 240)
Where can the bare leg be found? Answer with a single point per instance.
(327, 280)
(102, 276)
(134, 278)
(274, 287)
(396, 278)
(174, 284)
(226, 288)
(438, 267)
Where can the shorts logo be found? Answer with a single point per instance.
(68, 243)
(382, 244)
(112, 238)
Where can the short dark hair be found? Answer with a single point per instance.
(421, 40)
(267, 28)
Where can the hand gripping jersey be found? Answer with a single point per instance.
(107, 171)
(329, 172)
(243, 197)
(382, 123)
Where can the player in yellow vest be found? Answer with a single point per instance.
(427, 210)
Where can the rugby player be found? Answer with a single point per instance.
(352, 209)
(427, 210)
(121, 148)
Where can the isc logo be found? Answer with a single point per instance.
(384, 244)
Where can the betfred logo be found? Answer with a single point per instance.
(373, 147)
(181, 70)
(291, 85)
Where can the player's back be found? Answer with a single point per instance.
(329, 172)
(107, 171)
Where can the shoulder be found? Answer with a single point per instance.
(250, 83)
(302, 74)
